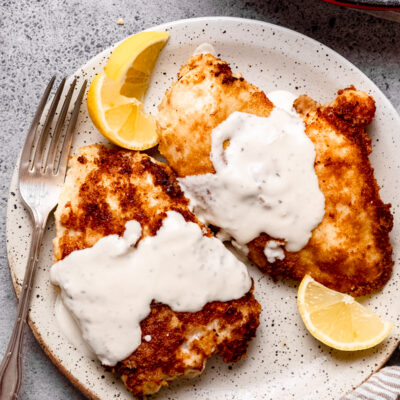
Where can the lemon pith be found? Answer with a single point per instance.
(115, 95)
(337, 319)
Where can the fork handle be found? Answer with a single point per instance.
(11, 368)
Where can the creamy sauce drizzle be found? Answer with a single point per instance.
(70, 329)
(264, 182)
(273, 251)
(205, 48)
(110, 286)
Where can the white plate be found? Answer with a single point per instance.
(284, 361)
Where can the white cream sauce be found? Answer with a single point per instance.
(273, 251)
(283, 99)
(264, 182)
(205, 48)
(70, 329)
(110, 286)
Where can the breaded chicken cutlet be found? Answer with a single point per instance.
(350, 250)
(206, 93)
(103, 190)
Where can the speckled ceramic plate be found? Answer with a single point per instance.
(284, 361)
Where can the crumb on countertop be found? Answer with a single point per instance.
(120, 21)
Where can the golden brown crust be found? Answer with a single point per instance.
(104, 189)
(350, 250)
(205, 94)
(224, 328)
(113, 192)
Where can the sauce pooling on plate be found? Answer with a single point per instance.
(70, 329)
(110, 286)
(264, 180)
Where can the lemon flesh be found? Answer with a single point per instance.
(132, 62)
(337, 319)
(115, 96)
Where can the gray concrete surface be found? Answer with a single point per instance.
(39, 38)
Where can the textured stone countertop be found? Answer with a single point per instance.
(39, 38)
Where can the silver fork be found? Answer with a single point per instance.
(41, 176)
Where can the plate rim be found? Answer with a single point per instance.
(54, 359)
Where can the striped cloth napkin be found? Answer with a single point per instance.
(384, 385)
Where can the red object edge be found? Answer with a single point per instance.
(362, 7)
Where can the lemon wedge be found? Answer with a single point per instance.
(115, 96)
(337, 319)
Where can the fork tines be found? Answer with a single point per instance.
(43, 145)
